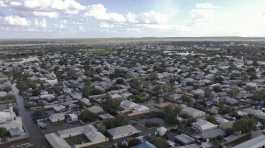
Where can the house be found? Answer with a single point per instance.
(89, 132)
(52, 82)
(212, 133)
(57, 117)
(115, 96)
(106, 116)
(184, 139)
(11, 122)
(129, 105)
(145, 144)
(203, 125)
(230, 101)
(96, 109)
(47, 96)
(72, 117)
(123, 131)
(221, 120)
(161, 131)
(85, 101)
(3, 93)
(56, 141)
(192, 112)
(256, 113)
(257, 142)
(58, 108)
(3, 78)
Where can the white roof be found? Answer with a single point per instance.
(91, 133)
(204, 125)
(3, 93)
(56, 141)
(47, 96)
(85, 101)
(115, 96)
(123, 131)
(58, 107)
(52, 82)
(96, 109)
(126, 104)
(73, 116)
(88, 130)
(5, 116)
(57, 117)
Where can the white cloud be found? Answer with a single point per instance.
(41, 23)
(205, 18)
(205, 6)
(132, 18)
(203, 13)
(99, 12)
(106, 25)
(68, 6)
(45, 14)
(116, 17)
(153, 17)
(15, 3)
(16, 21)
(2, 4)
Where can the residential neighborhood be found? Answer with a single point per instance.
(133, 94)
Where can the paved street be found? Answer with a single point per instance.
(36, 136)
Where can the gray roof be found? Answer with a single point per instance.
(212, 133)
(184, 139)
(253, 143)
(123, 131)
(193, 112)
(56, 141)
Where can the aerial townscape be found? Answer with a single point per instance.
(133, 93)
(132, 73)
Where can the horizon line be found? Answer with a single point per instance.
(147, 37)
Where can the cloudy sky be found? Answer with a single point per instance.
(130, 18)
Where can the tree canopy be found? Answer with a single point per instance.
(87, 116)
(111, 105)
(245, 125)
(171, 113)
(3, 132)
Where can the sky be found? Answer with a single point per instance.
(131, 18)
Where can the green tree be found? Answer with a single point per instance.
(211, 119)
(138, 98)
(223, 109)
(245, 125)
(234, 92)
(159, 142)
(259, 95)
(217, 141)
(3, 132)
(118, 121)
(133, 142)
(170, 114)
(87, 116)
(137, 84)
(187, 99)
(111, 105)
(87, 91)
(8, 98)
